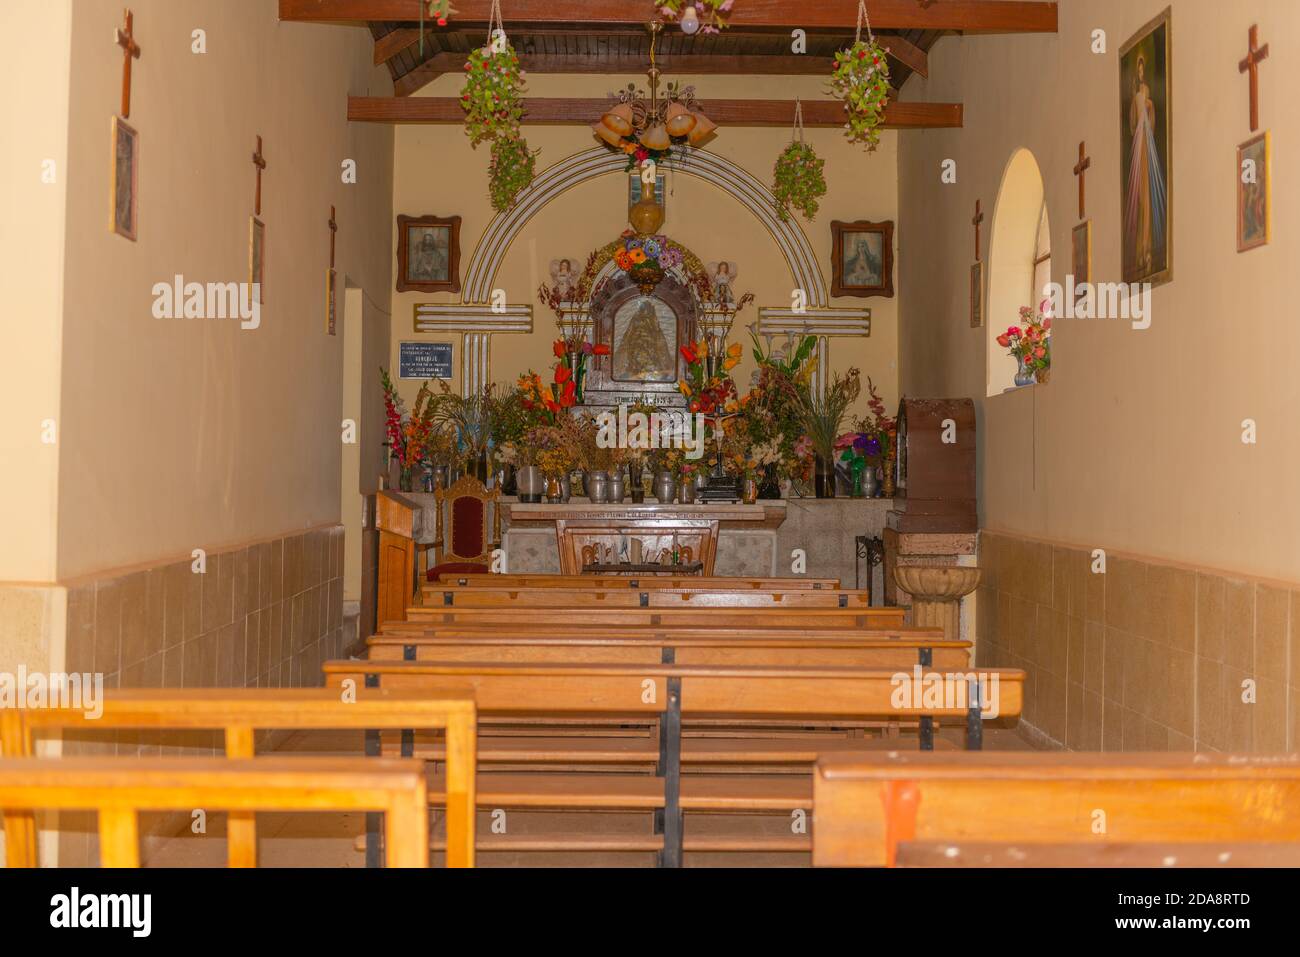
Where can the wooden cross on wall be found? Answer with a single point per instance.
(260, 162)
(979, 218)
(130, 51)
(334, 228)
(1085, 162)
(1250, 65)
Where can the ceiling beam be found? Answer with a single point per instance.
(584, 110)
(982, 16)
(391, 44)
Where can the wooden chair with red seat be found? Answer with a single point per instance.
(461, 544)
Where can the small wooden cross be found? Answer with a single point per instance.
(130, 51)
(1085, 162)
(979, 218)
(1251, 65)
(260, 162)
(334, 228)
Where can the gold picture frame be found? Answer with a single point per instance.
(124, 180)
(256, 259)
(1146, 91)
(1255, 200)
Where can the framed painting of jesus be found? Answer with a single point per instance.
(1146, 164)
(125, 179)
(1254, 188)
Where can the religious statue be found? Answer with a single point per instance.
(642, 352)
(721, 276)
(564, 279)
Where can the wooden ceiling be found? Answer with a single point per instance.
(610, 37)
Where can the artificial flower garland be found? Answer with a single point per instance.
(510, 171)
(493, 93)
(861, 81)
(799, 181)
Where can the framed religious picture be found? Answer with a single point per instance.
(976, 294)
(1081, 257)
(1254, 192)
(257, 258)
(331, 301)
(635, 190)
(862, 259)
(1146, 165)
(125, 180)
(428, 254)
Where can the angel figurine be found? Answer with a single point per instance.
(564, 278)
(721, 276)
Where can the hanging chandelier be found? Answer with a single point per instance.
(647, 125)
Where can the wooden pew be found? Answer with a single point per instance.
(867, 807)
(671, 692)
(1109, 855)
(631, 581)
(119, 788)
(240, 713)
(689, 597)
(672, 617)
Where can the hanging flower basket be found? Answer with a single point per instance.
(861, 81)
(799, 179)
(511, 170)
(493, 93)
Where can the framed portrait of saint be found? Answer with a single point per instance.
(125, 180)
(1146, 164)
(428, 254)
(1254, 192)
(862, 259)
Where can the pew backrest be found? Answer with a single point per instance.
(867, 806)
(632, 581)
(845, 618)
(606, 597)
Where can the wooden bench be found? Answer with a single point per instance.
(240, 713)
(670, 692)
(868, 807)
(543, 598)
(119, 788)
(672, 617)
(631, 581)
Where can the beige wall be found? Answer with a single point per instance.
(1135, 445)
(31, 250)
(437, 172)
(184, 434)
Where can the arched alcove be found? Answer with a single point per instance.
(1015, 255)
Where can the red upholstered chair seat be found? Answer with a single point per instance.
(453, 569)
(461, 545)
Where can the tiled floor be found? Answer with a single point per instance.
(332, 840)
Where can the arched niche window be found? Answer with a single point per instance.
(1019, 262)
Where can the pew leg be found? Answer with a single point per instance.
(374, 853)
(670, 758)
(926, 733)
(119, 838)
(974, 729)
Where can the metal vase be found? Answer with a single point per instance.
(617, 487)
(686, 491)
(665, 487)
(531, 484)
(597, 486)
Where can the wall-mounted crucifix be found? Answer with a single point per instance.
(1251, 65)
(979, 218)
(1085, 162)
(334, 229)
(130, 51)
(260, 162)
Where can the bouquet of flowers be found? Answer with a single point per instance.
(544, 401)
(1031, 346)
(708, 386)
(409, 435)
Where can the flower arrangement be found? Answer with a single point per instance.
(646, 258)
(799, 181)
(714, 12)
(409, 435)
(861, 81)
(552, 452)
(1031, 346)
(492, 96)
(510, 170)
(544, 401)
(708, 386)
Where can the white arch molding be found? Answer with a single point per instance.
(732, 179)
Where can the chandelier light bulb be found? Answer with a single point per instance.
(690, 20)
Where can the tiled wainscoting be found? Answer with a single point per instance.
(262, 615)
(1148, 656)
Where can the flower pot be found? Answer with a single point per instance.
(749, 490)
(769, 486)
(824, 477)
(665, 487)
(617, 487)
(504, 479)
(406, 479)
(566, 488)
(635, 484)
(686, 490)
(441, 474)
(531, 484)
(479, 468)
(1043, 375)
(1024, 376)
(597, 486)
(554, 490)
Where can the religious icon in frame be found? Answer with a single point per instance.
(256, 259)
(976, 294)
(1254, 192)
(862, 259)
(125, 179)
(1081, 257)
(428, 254)
(1146, 164)
(331, 302)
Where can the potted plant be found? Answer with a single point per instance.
(492, 96)
(408, 434)
(1030, 346)
(861, 82)
(510, 170)
(820, 414)
(799, 179)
